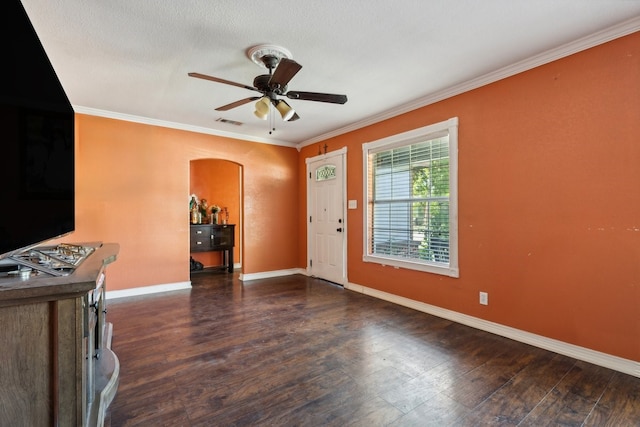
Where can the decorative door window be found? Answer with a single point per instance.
(326, 172)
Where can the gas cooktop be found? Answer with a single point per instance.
(57, 260)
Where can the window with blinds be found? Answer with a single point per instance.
(411, 199)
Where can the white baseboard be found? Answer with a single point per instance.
(145, 290)
(581, 353)
(268, 274)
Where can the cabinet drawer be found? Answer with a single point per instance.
(200, 238)
(200, 230)
(200, 245)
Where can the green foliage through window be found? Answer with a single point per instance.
(411, 201)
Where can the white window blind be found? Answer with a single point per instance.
(410, 218)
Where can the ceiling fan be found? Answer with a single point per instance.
(273, 85)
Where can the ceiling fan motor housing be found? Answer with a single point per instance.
(261, 83)
(270, 61)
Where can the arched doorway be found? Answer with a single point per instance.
(220, 183)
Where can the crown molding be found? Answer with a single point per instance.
(173, 125)
(620, 30)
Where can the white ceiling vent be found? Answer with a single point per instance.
(231, 122)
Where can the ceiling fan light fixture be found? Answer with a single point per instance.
(260, 115)
(285, 110)
(262, 108)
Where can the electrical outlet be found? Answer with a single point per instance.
(484, 298)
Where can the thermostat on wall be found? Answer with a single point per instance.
(353, 204)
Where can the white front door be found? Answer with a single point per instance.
(326, 217)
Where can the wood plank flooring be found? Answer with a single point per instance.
(298, 351)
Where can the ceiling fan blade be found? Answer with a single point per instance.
(315, 96)
(294, 117)
(237, 103)
(219, 80)
(286, 69)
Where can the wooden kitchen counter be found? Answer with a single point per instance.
(56, 363)
(16, 290)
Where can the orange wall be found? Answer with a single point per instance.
(549, 201)
(132, 187)
(217, 181)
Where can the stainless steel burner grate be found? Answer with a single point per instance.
(58, 260)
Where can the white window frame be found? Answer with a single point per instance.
(405, 139)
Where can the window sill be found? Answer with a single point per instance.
(442, 269)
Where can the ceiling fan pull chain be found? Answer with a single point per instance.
(272, 123)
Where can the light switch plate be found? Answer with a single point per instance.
(353, 204)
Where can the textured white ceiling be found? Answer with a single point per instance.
(130, 58)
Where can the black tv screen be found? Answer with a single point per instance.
(37, 132)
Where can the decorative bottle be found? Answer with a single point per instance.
(194, 214)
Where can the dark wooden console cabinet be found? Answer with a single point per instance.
(214, 237)
(56, 364)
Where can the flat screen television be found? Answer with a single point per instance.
(36, 140)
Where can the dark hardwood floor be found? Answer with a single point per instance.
(297, 351)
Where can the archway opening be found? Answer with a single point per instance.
(219, 182)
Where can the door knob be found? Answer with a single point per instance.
(339, 230)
